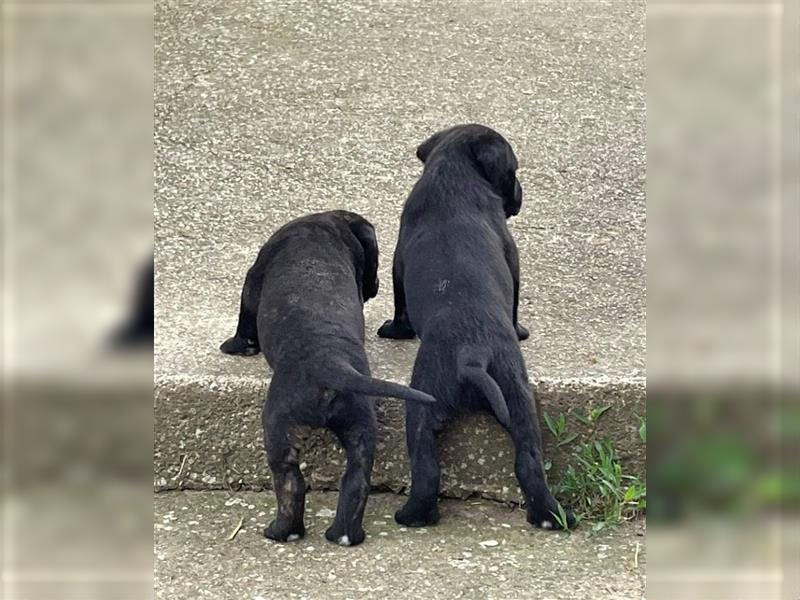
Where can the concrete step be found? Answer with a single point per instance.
(208, 436)
(480, 549)
(242, 145)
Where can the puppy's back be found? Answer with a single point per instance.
(310, 292)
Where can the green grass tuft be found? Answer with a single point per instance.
(594, 484)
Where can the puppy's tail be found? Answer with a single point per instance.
(347, 379)
(471, 368)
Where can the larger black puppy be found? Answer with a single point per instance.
(456, 285)
(302, 305)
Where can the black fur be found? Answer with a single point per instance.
(302, 305)
(456, 285)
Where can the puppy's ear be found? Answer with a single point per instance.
(513, 206)
(498, 165)
(425, 148)
(365, 234)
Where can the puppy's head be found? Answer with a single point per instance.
(488, 151)
(364, 232)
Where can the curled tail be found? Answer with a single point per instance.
(347, 379)
(471, 368)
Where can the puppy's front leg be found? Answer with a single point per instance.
(512, 258)
(399, 328)
(245, 342)
(421, 508)
(358, 441)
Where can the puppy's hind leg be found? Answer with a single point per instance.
(283, 457)
(245, 342)
(421, 507)
(358, 439)
(290, 490)
(528, 464)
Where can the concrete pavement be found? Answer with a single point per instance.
(266, 111)
(480, 549)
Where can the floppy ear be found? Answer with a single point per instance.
(513, 206)
(425, 148)
(365, 234)
(497, 164)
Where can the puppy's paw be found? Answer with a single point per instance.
(343, 537)
(412, 516)
(546, 519)
(282, 533)
(522, 333)
(396, 331)
(240, 346)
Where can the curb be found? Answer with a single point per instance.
(208, 437)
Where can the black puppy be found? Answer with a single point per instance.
(456, 285)
(302, 305)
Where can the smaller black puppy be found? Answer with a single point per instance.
(302, 304)
(456, 285)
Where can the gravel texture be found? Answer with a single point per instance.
(480, 549)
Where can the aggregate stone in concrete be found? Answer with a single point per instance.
(479, 549)
(208, 436)
(265, 111)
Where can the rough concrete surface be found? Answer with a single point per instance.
(480, 549)
(208, 436)
(266, 111)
